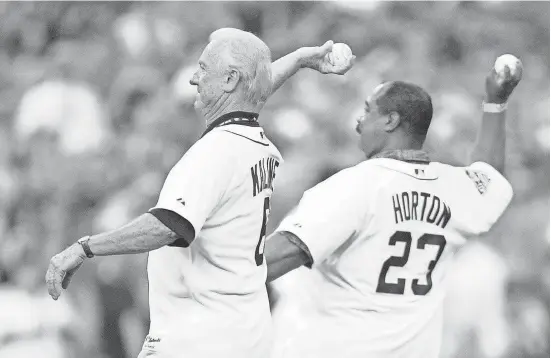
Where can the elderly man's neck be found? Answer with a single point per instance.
(228, 107)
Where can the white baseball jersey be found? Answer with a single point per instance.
(209, 299)
(381, 236)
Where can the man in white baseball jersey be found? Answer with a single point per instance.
(206, 234)
(380, 235)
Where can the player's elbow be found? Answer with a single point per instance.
(283, 256)
(502, 199)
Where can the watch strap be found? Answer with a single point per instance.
(84, 243)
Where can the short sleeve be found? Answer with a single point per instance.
(196, 184)
(327, 216)
(492, 194)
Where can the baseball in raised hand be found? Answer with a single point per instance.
(503, 79)
(330, 58)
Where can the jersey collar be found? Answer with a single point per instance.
(238, 117)
(405, 155)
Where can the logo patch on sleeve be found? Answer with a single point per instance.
(480, 179)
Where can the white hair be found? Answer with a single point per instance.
(251, 57)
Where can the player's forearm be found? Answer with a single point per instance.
(490, 146)
(284, 68)
(145, 233)
(283, 256)
(500, 83)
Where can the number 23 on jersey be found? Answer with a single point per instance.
(398, 288)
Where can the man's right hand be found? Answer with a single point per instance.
(499, 88)
(307, 57)
(316, 59)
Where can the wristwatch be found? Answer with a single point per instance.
(83, 241)
(494, 107)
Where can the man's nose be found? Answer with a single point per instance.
(194, 80)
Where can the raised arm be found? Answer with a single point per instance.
(490, 146)
(305, 57)
(308, 57)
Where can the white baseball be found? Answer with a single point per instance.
(340, 54)
(511, 61)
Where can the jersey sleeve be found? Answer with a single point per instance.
(326, 216)
(491, 195)
(195, 185)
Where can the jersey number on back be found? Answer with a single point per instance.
(400, 261)
(259, 252)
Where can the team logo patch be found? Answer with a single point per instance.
(480, 179)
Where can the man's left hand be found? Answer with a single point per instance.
(499, 88)
(316, 59)
(62, 268)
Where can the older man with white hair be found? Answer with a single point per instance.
(205, 236)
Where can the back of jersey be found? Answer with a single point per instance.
(232, 238)
(381, 272)
(212, 287)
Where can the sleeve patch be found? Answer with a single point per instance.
(480, 179)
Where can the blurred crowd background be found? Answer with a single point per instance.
(96, 107)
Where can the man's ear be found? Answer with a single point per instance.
(392, 122)
(231, 79)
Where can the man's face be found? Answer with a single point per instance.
(209, 79)
(370, 125)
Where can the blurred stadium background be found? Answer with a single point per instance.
(96, 107)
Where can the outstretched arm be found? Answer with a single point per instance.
(315, 58)
(490, 147)
(145, 233)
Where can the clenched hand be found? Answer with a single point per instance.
(316, 59)
(499, 88)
